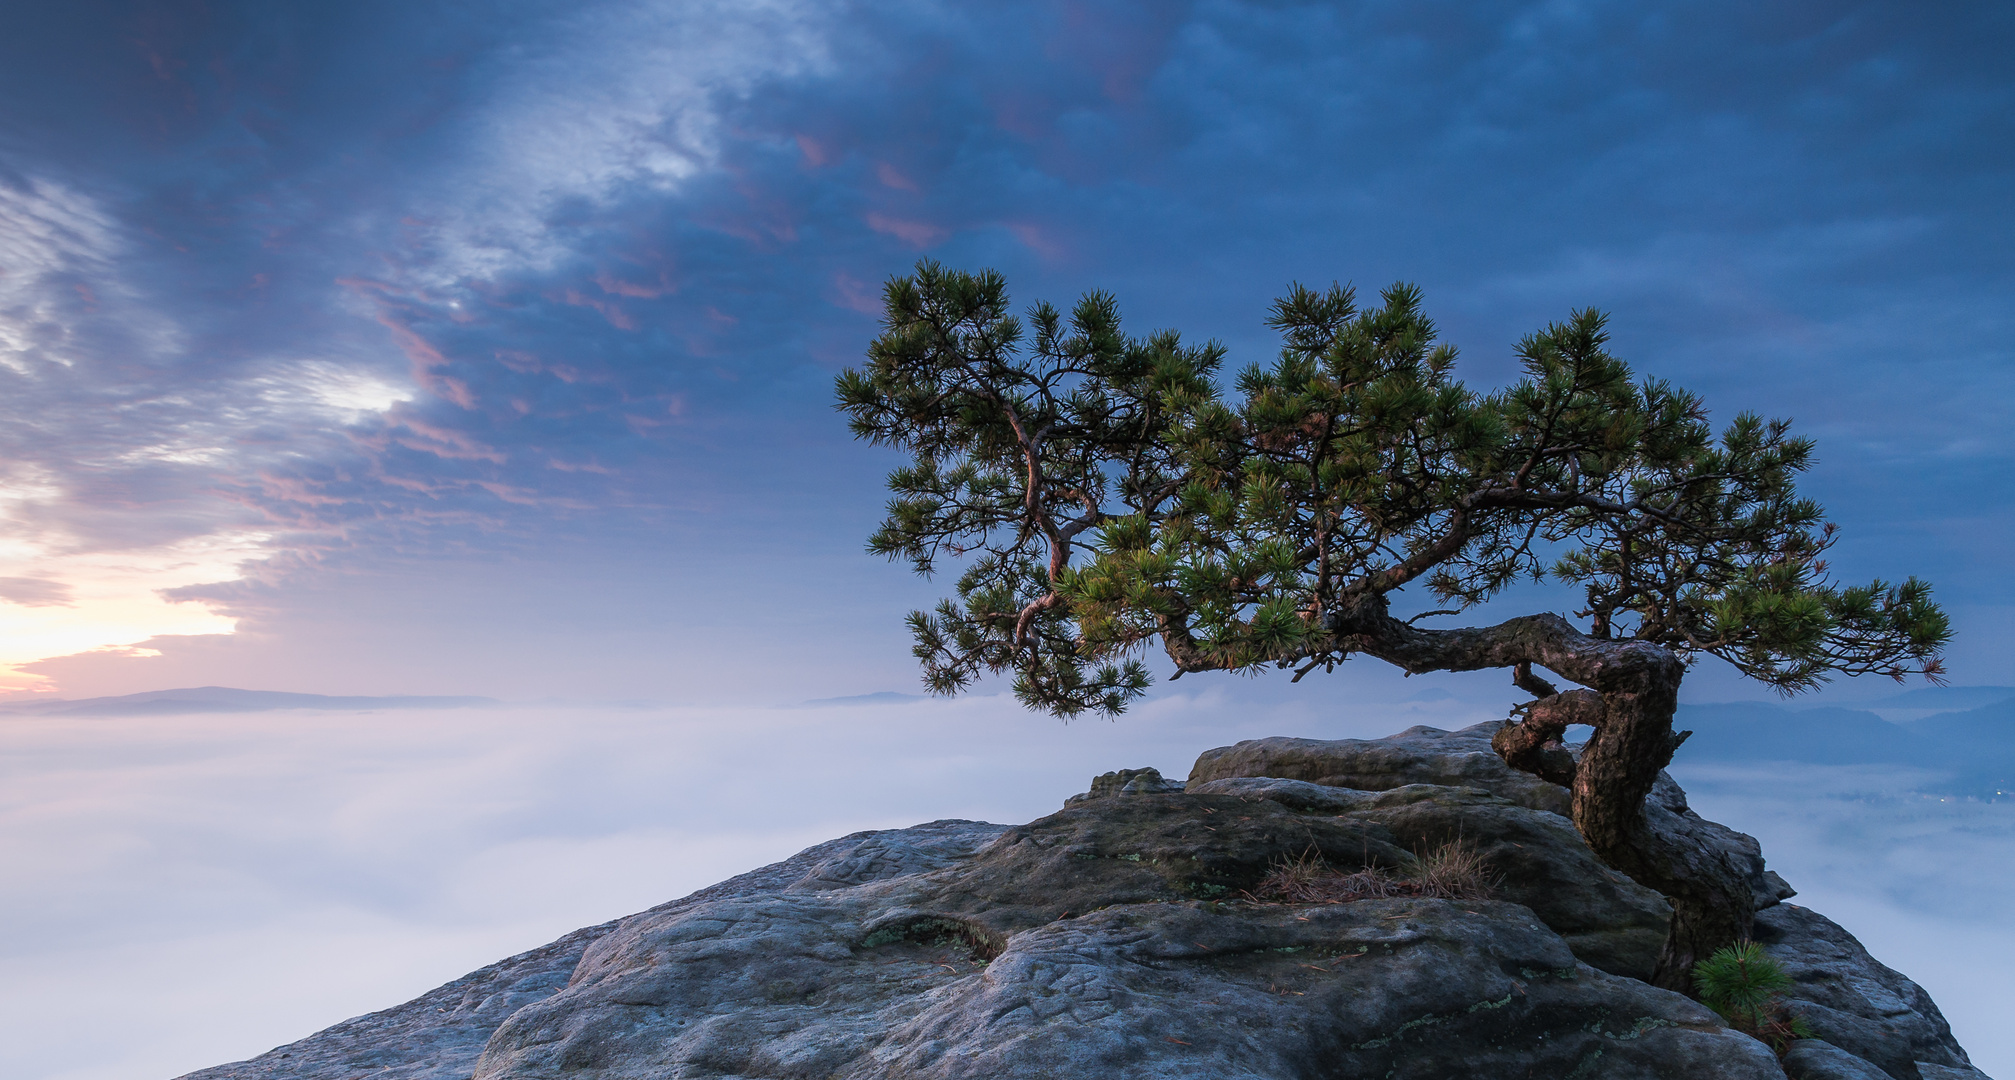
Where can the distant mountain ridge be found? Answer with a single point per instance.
(879, 697)
(1974, 746)
(216, 699)
(1946, 698)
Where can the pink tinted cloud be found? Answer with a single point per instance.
(856, 295)
(414, 484)
(1040, 239)
(579, 467)
(295, 489)
(525, 363)
(615, 286)
(815, 152)
(609, 310)
(890, 176)
(420, 352)
(416, 434)
(510, 493)
(1123, 47)
(917, 234)
(35, 592)
(425, 358)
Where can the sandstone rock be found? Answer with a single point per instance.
(1854, 1002)
(1418, 755)
(1949, 1072)
(1610, 922)
(1668, 811)
(1126, 782)
(1817, 1059)
(436, 1036)
(1117, 938)
(1425, 755)
(439, 1035)
(895, 979)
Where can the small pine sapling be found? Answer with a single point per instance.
(1745, 985)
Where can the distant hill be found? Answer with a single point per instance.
(218, 699)
(879, 697)
(1975, 748)
(1756, 731)
(1946, 698)
(1991, 726)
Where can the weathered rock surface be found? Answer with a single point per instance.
(1418, 755)
(1817, 1059)
(1855, 1003)
(1426, 755)
(1609, 921)
(439, 1035)
(1115, 938)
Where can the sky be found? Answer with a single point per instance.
(453, 348)
(442, 348)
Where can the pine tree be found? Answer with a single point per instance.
(1104, 494)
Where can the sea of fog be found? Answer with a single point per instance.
(182, 891)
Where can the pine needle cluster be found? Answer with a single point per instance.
(1745, 985)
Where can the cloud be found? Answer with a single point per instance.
(35, 592)
(57, 246)
(616, 99)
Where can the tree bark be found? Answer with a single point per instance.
(1633, 692)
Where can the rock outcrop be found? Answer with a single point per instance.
(1118, 938)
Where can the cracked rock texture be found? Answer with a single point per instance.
(1114, 939)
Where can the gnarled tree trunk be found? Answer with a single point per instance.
(1633, 692)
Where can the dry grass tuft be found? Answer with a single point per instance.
(1453, 871)
(1309, 880)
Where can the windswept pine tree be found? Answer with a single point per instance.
(1104, 494)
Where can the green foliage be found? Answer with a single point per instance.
(1105, 494)
(1741, 982)
(1745, 985)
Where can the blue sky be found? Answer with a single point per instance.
(454, 348)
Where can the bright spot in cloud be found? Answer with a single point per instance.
(345, 394)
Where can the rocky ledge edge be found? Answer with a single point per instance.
(1110, 939)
